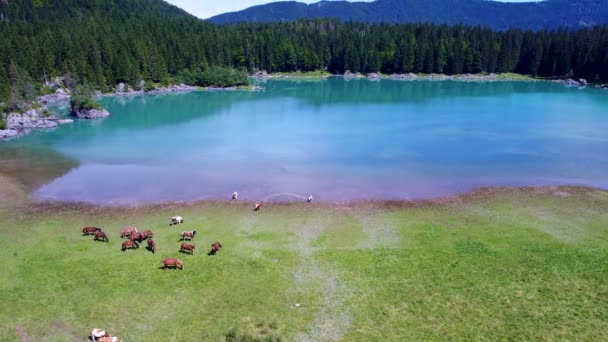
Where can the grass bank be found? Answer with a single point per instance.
(496, 264)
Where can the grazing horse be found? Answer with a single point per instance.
(187, 248)
(151, 246)
(126, 232)
(147, 234)
(172, 263)
(129, 244)
(108, 339)
(258, 206)
(309, 200)
(90, 230)
(176, 220)
(215, 247)
(101, 236)
(235, 196)
(188, 235)
(137, 236)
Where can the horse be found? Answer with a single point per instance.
(258, 206)
(147, 234)
(151, 246)
(188, 235)
(187, 248)
(97, 335)
(101, 236)
(235, 196)
(137, 236)
(129, 244)
(172, 263)
(176, 220)
(90, 230)
(108, 339)
(126, 232)
(215, 247)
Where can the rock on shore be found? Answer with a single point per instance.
(31, 119)
(90, 113)
(60, 95)
(6, 134)
(374, 76)
(18, 124)
(572, 83)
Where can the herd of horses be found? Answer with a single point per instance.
(134, 238)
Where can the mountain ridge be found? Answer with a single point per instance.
(547, 14)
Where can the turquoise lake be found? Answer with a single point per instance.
(338, 140)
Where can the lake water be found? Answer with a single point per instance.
(338, 140)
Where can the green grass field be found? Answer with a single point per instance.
(501, 264)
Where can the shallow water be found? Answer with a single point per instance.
(338, 140)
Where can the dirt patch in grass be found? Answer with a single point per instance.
(66, 329)
(332, 318)
(22, 334)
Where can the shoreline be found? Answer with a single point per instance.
(479, 194)
(481, 77)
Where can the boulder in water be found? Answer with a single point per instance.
(90, 113)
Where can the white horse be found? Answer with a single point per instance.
(176, 220)
(235, 195)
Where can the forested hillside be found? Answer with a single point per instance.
(106, 42)
(500, 15)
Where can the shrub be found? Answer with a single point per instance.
(84, 103)
(221, 77)
(82, 98)
(2, 122)
(149, 86)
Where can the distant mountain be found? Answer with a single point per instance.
(492, 14)
(61, 10)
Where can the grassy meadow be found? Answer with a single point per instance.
(496, 264)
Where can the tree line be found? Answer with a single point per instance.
(166, 48)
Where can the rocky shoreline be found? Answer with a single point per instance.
(568, 82)
(123, 90)
(20, 124)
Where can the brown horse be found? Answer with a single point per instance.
(129, 244)
(147, 234)
(108, 339)
(126, 232)
(172, 263)
(187, 248)
(139, 237)
(258, 206)
(151, 246)
(90, 230)
(101, 236)
(215, 247)
(188, 235)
